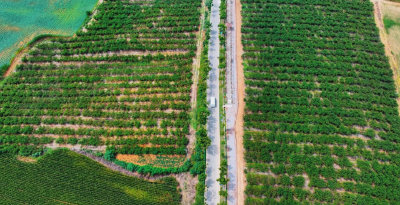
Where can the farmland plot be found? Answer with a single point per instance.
(65, 177)
(123, 84)
(138, 104)
(321, 117)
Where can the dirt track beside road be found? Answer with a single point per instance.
(241, 181)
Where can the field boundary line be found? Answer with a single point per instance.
(239, 129)
(23, 50)
(385, 41)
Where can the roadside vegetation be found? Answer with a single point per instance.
(223, 179)
(321, 116)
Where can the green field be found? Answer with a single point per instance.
(65, 177)
(321, 118)
(124, 84)
(21, 21)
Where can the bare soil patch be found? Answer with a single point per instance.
(164, 161)
(133, 52)
(241, 181)
(26, 159)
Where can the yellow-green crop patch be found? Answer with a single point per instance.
(55, 178)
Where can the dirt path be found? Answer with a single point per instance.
(16, 61)
(241, 181)
(20, 54)
(384, 39)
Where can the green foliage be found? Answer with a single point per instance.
(3, 70)
(60, 140)
(332, 184)
(125, 101)
(222, 9)
(285, 181)
(72, 141)
(202, 137)
(223, 193)
(55, 176)
(109, 155)
(148, 169)
(36, 154)
(348, 186)
(369, 133)
(202, 113)
(224, 173)
(133, 104)
(389, 23)
(200, 190)
(319, 92)
(298, 181)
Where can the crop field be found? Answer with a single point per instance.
(163, 161)
(321, 117)
(137, 103)
(123, 85)
(390, 15)
(131, 29)
(65, 177)
(23, 20)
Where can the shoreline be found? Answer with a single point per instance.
(16, 58)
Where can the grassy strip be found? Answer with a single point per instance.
(389, 23)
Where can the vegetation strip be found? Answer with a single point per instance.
(223, 179)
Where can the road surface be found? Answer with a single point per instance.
(231, 111)
(213, 151)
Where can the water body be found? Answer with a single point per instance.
(22, 20)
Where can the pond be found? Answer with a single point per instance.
(23, 20)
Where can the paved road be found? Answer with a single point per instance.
(213, 151)
(231, 112)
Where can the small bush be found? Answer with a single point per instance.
(72, 141)
(298, 181)
(60, 140)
